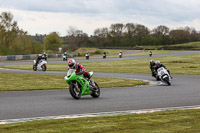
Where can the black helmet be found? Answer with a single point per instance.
(152, 62)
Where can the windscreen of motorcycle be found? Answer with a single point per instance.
(70, 71)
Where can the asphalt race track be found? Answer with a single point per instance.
(185, 91)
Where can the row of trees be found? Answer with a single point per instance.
(14, 40)
(130, 35)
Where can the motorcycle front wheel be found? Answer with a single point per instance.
(75, 93)
(96, 92)
(167, 81)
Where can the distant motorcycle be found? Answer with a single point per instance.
(64, 57)
(164, 75)
(150, 54)
(87, 56)
(120, 55)
(42, 65)
(104, 56)
(79, 86)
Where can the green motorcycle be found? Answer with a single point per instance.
(79, 86)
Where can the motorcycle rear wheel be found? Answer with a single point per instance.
(34, 68)
(74, 93)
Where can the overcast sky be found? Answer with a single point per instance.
(45, 16)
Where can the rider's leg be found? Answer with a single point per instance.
(37, 61)
(169, 73)
(87, 76)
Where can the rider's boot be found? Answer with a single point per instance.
(92, 84)
(169, 74)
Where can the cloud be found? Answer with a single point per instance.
(42, 16)
(46, 22)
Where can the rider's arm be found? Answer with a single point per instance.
(82, 68)
(163, 66)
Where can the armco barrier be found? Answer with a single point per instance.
(33, 56)
(11, 57)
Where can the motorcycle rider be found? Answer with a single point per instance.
(39, 57)
(65, 55)
(150, 53)
(152, 66)
(120, 54)
(80, 70)
(158, 65)
(104, 55)
(44, 56)
(87, 56)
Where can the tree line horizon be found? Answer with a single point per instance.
(14, 40)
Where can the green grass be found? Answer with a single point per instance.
(98, 52)
(182, 64)
(155, 52)
(197, 44)
(18, 81)
(185, 46)
(184, 121)
(113, 53)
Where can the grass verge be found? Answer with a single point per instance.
(182, 64)
(114, 53)
(185, 46)
(187, 121)
(17, 81)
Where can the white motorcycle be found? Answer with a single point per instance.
(42, 65)
(164, 75)
(64, 57)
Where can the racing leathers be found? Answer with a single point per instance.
(81, 70)
(152, 66)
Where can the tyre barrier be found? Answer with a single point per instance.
(33, 56)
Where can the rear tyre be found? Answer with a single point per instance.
(74, 92)
(96, 93)
(34, 68)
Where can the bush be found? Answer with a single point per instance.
(98, 51)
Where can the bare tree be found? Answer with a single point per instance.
(160, 31)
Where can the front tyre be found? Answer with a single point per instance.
(75, 92)
(96, 92)
(167, 81)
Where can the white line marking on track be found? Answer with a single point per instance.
(10, 121)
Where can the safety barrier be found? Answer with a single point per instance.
(33, 56)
